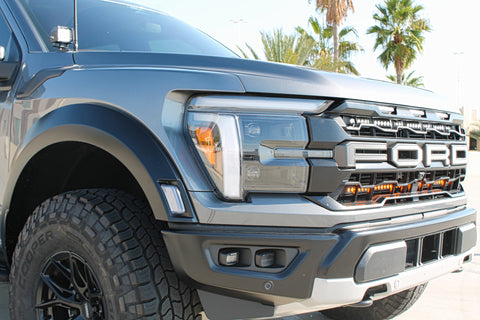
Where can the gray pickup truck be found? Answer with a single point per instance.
(147, 172)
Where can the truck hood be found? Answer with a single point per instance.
(274, 78)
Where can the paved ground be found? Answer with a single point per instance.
(452, 297)
(3, 301)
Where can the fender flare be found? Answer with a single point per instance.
(106, 128)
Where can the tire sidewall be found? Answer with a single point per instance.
(42, 243)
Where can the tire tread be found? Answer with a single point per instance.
(123, 228)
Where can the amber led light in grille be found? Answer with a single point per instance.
(356, 193)
(356, 189)
(440, 183)
(384, 187)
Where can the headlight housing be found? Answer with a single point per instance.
(245, 147)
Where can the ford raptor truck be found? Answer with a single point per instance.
(147, 172)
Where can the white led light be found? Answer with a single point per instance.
(418, 113)
(387, 110)
(442, 115)
(174, 199)
(232, 258)
(226, 172)
(259, 104)
(232, 184)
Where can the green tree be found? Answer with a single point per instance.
(322, 56)
(252, 52)
(409, 80)
(336, 12)
(400, 32)
(279, 47)
(311, 50)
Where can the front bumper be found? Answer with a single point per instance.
(321, 268)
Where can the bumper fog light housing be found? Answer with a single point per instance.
(265, 258)
(229, 257)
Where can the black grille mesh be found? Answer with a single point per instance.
(400, 187)
(401, 129)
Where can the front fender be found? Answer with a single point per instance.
(106, 128)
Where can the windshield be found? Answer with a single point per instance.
(107, 25)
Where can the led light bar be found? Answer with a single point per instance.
(259, 104)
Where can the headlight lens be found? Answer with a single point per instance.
(240, 151)
(217, 142)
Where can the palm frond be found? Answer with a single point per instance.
(400, 32)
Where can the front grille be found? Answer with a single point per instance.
(386, 155)
(400, 187)
(401, 129)
(430, 248)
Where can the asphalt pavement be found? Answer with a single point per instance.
(451, 297)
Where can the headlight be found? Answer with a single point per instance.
(245, 149)
(217, 141)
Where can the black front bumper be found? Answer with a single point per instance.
(319, 253)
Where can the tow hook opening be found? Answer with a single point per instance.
(465, 260)
(367, 300)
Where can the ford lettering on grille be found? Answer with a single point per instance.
(401, 154)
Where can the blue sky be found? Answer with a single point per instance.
(449, 61)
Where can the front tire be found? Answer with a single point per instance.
(385, 308)
(96, 254)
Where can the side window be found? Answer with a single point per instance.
(7, 41)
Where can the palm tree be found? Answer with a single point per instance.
(252, 51)
(399, 31)
(324, 50)
(304, 49)
(279, 47)
(292, 49)
(337, 11)
(410, 80)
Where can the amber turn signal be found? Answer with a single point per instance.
(206, 141)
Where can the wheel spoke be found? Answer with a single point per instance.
(60, 267)
(69, 289)
(55, 287)
(66, 303)
(77, 275)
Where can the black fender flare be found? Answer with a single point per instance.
(110, 129)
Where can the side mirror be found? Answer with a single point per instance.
(61, 37)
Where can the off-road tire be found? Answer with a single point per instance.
(385, 308)
(118, 238)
